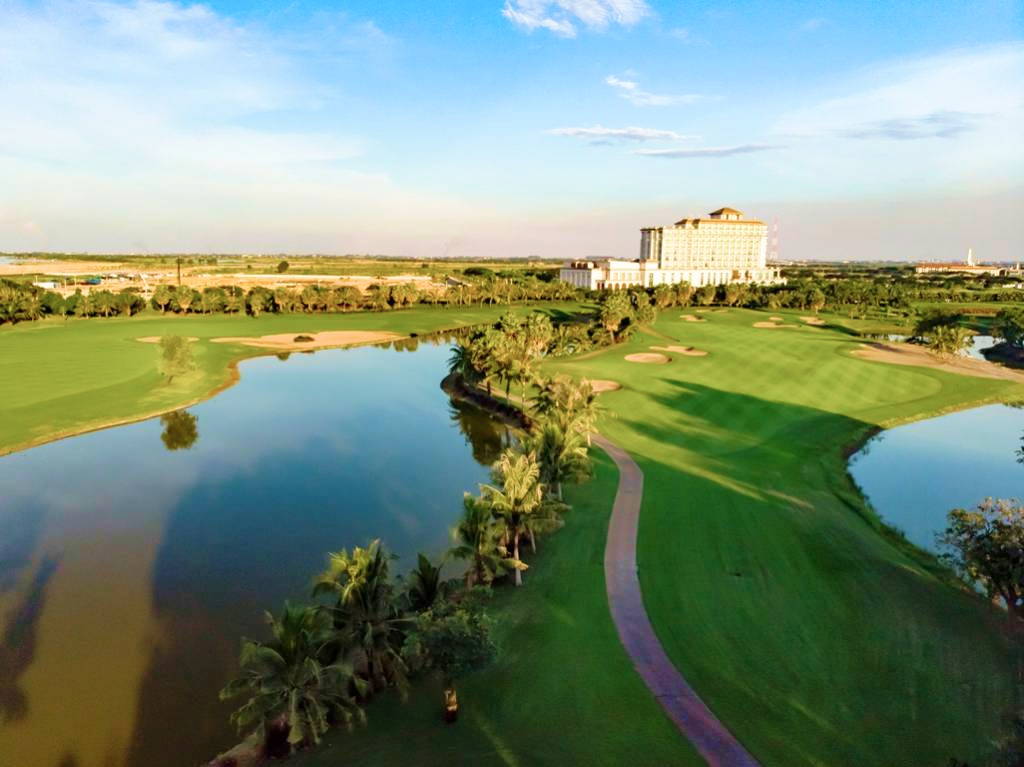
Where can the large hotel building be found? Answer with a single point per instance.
(722, 248)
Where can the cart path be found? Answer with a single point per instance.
(689, 713)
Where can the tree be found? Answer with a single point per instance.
(424, 585)
(293, 693)
(181, 430)
(259, 300)
(162, 297)
(615, 309)
(985, 546)
(706, 295)
(481, 540)
(517, 499)
(453, 639)
(570, 404)
(175, 357)
(282, 266)
(367, 623)
(561, 455)
(949, 340)
(1009, 326)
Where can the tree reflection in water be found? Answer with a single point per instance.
(181, 430)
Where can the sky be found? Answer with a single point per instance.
(498, 128)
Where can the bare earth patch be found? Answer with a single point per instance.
(649, 358)
(776, 319)
(689, 351)
(331, 339)
(156, 339)
(601, 385)
(813, 320)
(919, 356)
(774, 325)
(692, 318)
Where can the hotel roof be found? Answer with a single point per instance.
(725, 212)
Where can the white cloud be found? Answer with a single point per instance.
(720, 151)
(166, 125)
(893, 117)
(599, 133)
(562, 16)
(631, 91)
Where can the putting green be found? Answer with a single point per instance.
(814, 638)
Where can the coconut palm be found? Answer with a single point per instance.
(481, 540)
(570, 404)
(290, 687)
(424, 586)
(368, 626)
(517, 499)
(561, 455)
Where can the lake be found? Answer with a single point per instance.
(914, 474)
(133, 559)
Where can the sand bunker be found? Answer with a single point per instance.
(692, 318)
(920, 356)
(689, 351)
(156, 339)
(813, 320)
(774, 325)
(776, 319)
(332, 339)
(601, 385)
(648, 357)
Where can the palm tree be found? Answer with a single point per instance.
(562, 455)
(517, 499)
(367, 623)
(481, 540)
(571, 405)
(425, 587)
(292, 691)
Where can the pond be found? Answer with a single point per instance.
(914, 474)
(134, 559)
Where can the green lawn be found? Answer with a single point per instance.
(61, 377)
(815, 639)
(563, 691)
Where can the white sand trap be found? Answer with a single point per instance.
(601, 385)
(329, 339)
(813, 321)
(156, 339)
(773, 325)
(776, 319)
(649, 358)
(692, 318)
(689, 351)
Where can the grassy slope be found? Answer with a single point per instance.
(811, 636)
(563, 690)
(64, 377)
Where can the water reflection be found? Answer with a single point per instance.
(181, 430)
(168, 556)
(915, 474)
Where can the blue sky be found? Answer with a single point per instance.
(510, 127)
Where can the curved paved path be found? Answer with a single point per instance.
(694, 719)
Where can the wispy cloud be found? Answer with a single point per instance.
(634, 94)
(719, 151)
(562, 16)
(599, 133)
(813, 24)
(942, 124)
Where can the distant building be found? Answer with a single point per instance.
(719, 249)
(970, 266)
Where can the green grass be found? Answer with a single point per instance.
(816, 639)
(63, 377)
(562, 691)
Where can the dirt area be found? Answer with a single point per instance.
(602, 385)
(689, 351)
(285, 342)
(813, 321)
(649, 358)
(692, 318)
(919, 356)
(774, 325)
(776, 319)
(47, 266)
(156, 339)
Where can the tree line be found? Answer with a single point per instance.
(369, 631)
